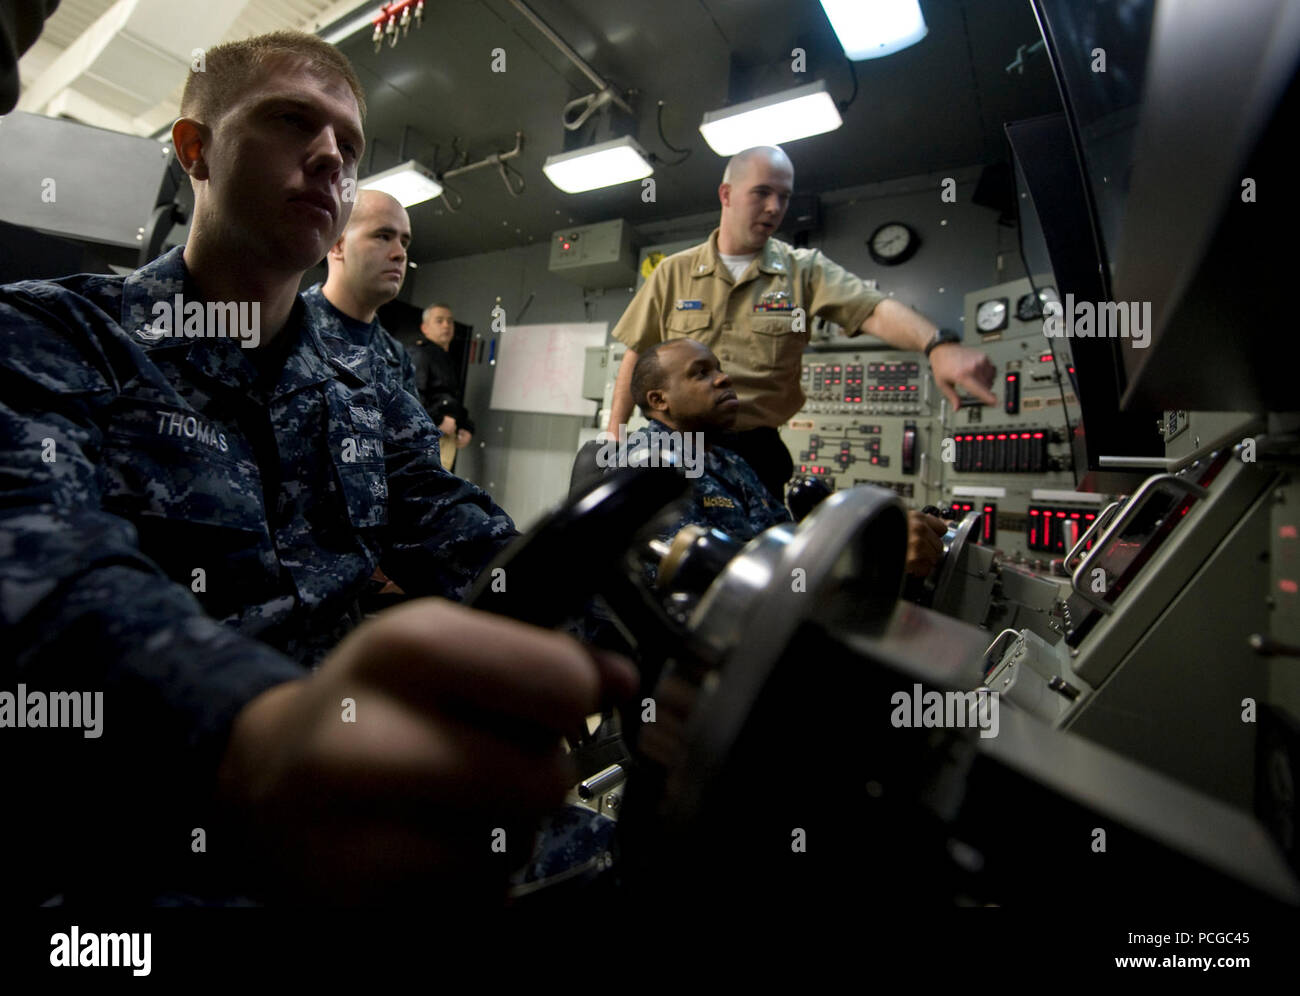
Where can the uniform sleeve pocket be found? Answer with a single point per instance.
(365, 492)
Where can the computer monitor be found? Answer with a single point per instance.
(1072, 173)
(1211, 214)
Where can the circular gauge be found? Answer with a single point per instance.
(1027, 308)
(1048, 295)
(991, 315)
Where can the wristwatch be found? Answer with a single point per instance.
(941, 337)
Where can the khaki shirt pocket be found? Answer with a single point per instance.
(688, 323)
(776, 346)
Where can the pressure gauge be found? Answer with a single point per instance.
(991, 315)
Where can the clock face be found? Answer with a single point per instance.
(891, 243)
(991, 315)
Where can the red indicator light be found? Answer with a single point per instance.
(1089, 515)
(1045, 358)
(1038, 435)
(1033, 511)
(1289, 586)
(1074, 515)
(1286, 532)
(566, 245)
(1002, 435)
(1010, 378)
(1060, 515)
(979, 438)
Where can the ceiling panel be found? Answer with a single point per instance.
(71, 19)
(937, 105)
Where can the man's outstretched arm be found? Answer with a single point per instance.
(952, 365)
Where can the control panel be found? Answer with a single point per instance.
(599, 255)
(875, 416)
(1015, 457)
(868, 419)
(854, 385)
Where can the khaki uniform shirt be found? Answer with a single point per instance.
(750, 324)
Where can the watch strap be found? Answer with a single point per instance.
(939, 338)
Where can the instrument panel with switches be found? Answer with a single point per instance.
(1015, 457)
(875, 416)
(866, 421)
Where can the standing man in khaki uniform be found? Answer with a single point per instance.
(738, 294)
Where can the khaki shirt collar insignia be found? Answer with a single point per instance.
(705, 260)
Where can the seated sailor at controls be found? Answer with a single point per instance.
(684, 392)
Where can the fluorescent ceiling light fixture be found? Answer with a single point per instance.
(410, 183)
(602, 165)
(872, 30)
(782, 117)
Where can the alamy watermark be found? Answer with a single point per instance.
(1107, 320)
(181, 319)
(945, 710)
(53, 710)
(95, 950)
(652, 448)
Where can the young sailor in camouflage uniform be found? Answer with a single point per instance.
(197, 480)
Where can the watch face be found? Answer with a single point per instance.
(991, 315)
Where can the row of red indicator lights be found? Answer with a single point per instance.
(1047, 515)
(1000, 435)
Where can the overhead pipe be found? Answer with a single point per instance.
(606, 92)
(497, 159)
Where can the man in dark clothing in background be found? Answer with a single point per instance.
(439, 383)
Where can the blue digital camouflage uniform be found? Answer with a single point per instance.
(184, 530)
(372, 335)
(727, 495)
